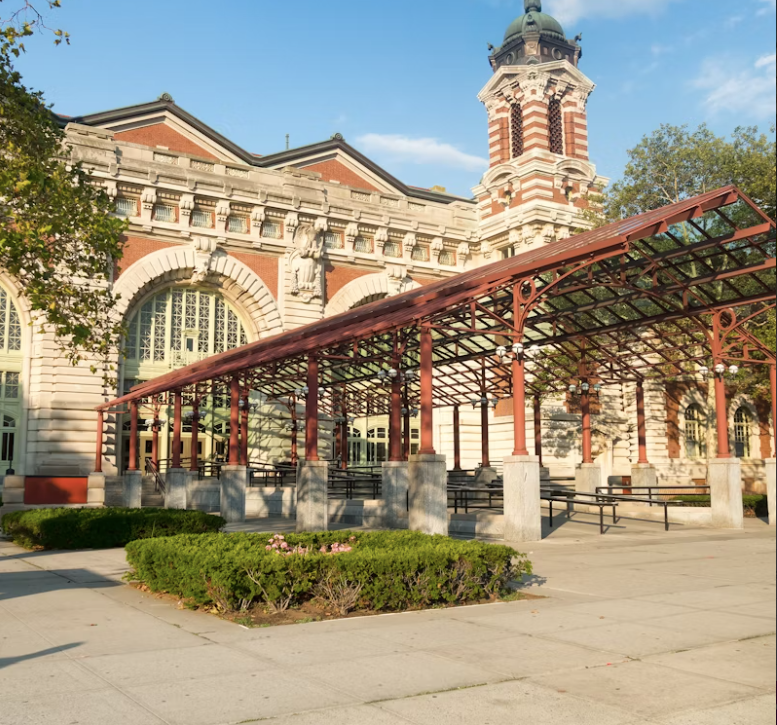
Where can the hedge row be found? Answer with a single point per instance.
(102, 528)
(755, 503)
(384, 571)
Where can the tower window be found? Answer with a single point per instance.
(516, 130)
(556, 121)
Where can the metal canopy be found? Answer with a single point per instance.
(647, 297)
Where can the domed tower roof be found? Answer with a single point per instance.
(534, 38)
(535, 20)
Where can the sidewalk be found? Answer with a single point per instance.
(637, 628)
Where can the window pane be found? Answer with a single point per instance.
(420, 254)
(126, 207)
(392, 249)
(334, 240)
(202, 219)
(164, 213)
(362, 244)
(237, 224)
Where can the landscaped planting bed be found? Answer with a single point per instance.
(102, 528)
(755, 505)
(274, 579)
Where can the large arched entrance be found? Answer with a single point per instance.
(168, 330)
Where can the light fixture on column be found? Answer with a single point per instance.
(302, 392)
(501, 352)
(734, 370)
(573, 388)
(494, 403)
(720, 369)
(518, 349)
(475, 402)
(405, 411)
(414, 413)
(393, 374)
(597, 388)
(704, 371)
(585, 387)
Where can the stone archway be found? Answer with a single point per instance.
(366, 289)
(201, 263)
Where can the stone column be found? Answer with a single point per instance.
(13, 491)
(428, 487)
(234, 482)
(132, 483)
(643, 474)
(395, 491)
(523, 514)
(725, 479)
(771, 489)
(588, 477)
(95, 489)
(312, 496)
(175, 488)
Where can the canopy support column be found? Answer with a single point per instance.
(244, 412)
(538, 428)
(98, 455)
(643, 474)
(133, 441)
(176, 453)
(427, 394)
(195, 462)
(176, 478)
(771, 463)
(234, 421)
(395, 418)
(456, 438)
(312, 495)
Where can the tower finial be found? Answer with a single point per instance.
(533, 5)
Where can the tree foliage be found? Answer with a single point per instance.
(58, 238)
(673, 164)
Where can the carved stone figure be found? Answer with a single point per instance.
(306, 262)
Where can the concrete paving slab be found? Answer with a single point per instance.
(523, 655)
(755, 711)
(136, 669)
(420, 634)
(716, 597)
(725, 626)
(628, 610)
(84, 708)
(646, 690)
(505, 704)
(297, 647)
(34, 678)
(362, 715)
(749, 663)
(400, 675)
(764, 609)
(539, 621)
(635, 639)
(237, 698)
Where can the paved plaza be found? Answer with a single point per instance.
(636, 628)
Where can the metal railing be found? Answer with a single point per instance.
(279, 475)
(154, 471)
(354, 484)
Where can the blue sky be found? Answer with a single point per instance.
(400, 80)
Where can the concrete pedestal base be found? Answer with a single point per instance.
(95, 489)
(643, 474)
(485, 475)
(588, 477)
(523, 513)
(175, 488)
(428, 489)
(725, 479)
(312, 496)
(396, 482)
(132, 485)
(13, 490)
(234, 483)
(771, 489)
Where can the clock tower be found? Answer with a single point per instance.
(540, 179)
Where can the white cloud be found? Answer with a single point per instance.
(769, 5)
(420, 151)
(766, 60)
(736, 88)
(570, 11)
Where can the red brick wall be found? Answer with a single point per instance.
(763, 408)
(338, 277)
(136, 248)
(265, 267)
(161, 135)
(335, 171)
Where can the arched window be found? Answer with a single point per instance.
(11, 358)
(180, 326)
(695, 432)
(556, 127)
(516, 130)
(742, 430)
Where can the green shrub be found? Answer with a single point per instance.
(756, 504)
(102, 528)
(385, 571)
